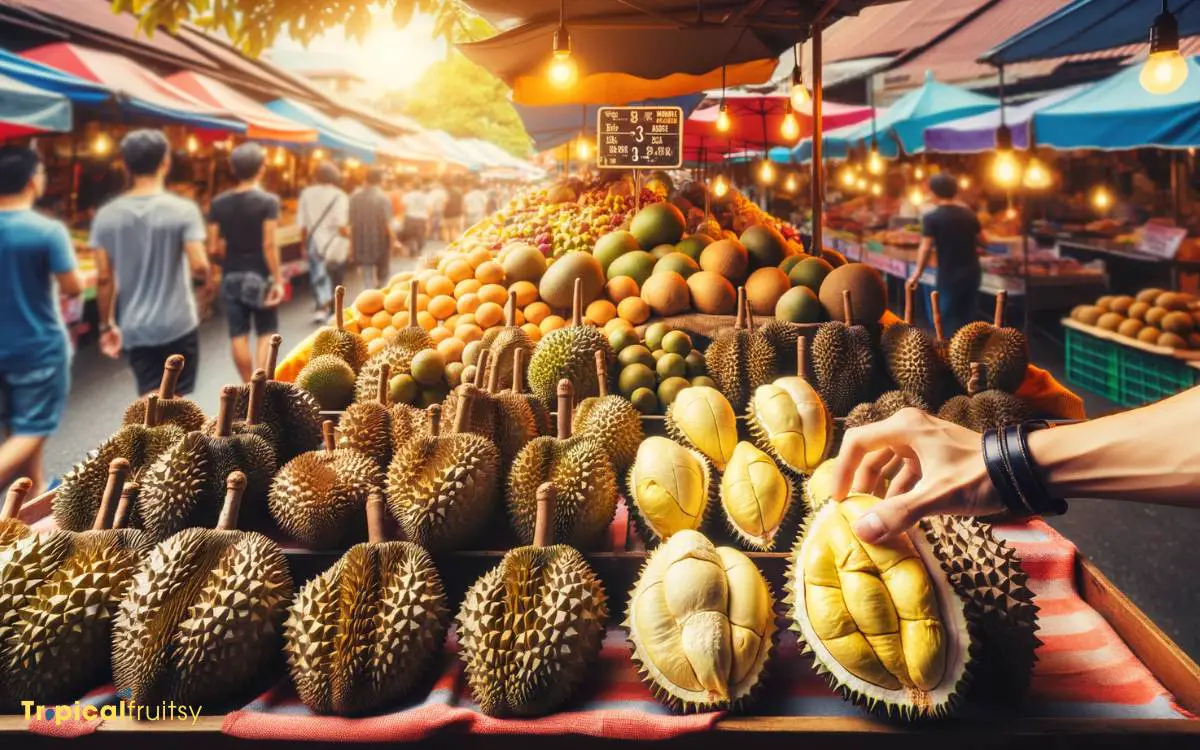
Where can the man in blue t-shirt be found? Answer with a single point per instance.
(37, 262)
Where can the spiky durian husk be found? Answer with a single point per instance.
(186, 485)
(882, 408)
(781, 336)
(407, 422)
(586, 485)
(567, 353)
(203, 618)
(614, 423)
(843, 365)
(1003, 351)
(955, 410)
(359, 636)
(483, 412)
(530, 628)
(739, 361)
(912, 361)
(500, 352)
(239, 427)
(330, 381)
(56, 644)
(13, 530)
(78, 498)
(320, 497)
(398, 355)
(367, 428)
(292, 413)
(995, 408)
(24, 567)
(346, 346)
(516, 425)
(988, 574)
(181, 412)
(442, 490)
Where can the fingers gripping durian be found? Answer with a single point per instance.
(532, 626)
(702, 624)
(756, 496)
(366, 426)
(1003, 351)
(568, 353)
(359, 636)
(703, 419)
(881, 620)
(789, 420)
(59, 594)
(398, 353)
(670, 487)
(502, 344)
(203, 618)
(290, 411)
(12, 527)
(612, 420)
(336, 340)
(738, 361)
(172, 409)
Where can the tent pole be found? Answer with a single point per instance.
(818, 167)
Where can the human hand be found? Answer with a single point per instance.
(274, 295)
(914, 281)
(938, 467)
(111, 343)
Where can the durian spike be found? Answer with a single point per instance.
(462, 420)
(518, 384)
(118, 471)
(412, 304)
(802, 357)
(339, 302)
(602, 372)
(577, 304)
(328, 435)
(978, 378)
(272, 355)
(1001, 303)
(151, 419)
(128, 494)
(376, 518)
(510, 310)
(481, 369)
(258, 392)
(740, 322)
(566, 408)
(543, 523)
(435, 420)
(235, 485)
(17, 492)
(848, 307)
(909, 289)
(493, 381)
(170, 377)
(229, 396)
(936, 312)
(385, 375)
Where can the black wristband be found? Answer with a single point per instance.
(1001, 475)
(1024, 470)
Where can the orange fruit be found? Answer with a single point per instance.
(494, 293)
(459, 269)
(490, 272)
(442, 306)
(467, 286)
(400, 319)
(439, 334)
(352, 326)
(537, 312)
(601, 311)
(527, 292)
(381, 319)
(370, 334)
(468, 318)
(479, 257)
(452, 321)
(451, 348)
(389, 333)
(634, 309)
(426, 321)
(439, 285)
(489, 314)
(423, 301)
(467, 332)
(401, 280)
(518, 317)
(369, 301)
(374, 346)
(621, 287)
(551, 323)
(532, 331)
(616, 323)
(396, 301)
(468, 303)
(423, 277)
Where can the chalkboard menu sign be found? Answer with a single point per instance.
(639, 138)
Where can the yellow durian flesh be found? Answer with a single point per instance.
(669, 485)
(755, 495)
(706, 419)
(795, 422)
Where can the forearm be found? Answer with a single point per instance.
(1146, 455)
(106, 292)
(922, 259)
(271, 253)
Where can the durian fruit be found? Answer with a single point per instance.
(912, 360)
(669, 487)
(882, 621)
(442, 488)
(519, 418)
(502, 343)
(583, 476)
(202, 621)
(568, 353)
(703, 419)
(530, 628)
(782, 338)
(1003, 351)
(612, 420)
(407, 422)
(541, 414)
(319, 497)
(290, 411)
(172, 409)
(702, 623)
(330, 381)
(818, 486)
(789, 420)
(78, 497)
(883, 407)
(981, 409)
(336, 340)
(483, 408)
(12, 528)
(59, 594)
(398, 354)
(254, 423)
(185, 485)
(738, 361)
(359, 636)
(843, 362)
(756, 496)
(366, 426)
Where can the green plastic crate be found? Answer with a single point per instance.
(1094, 363)
(1123, 374)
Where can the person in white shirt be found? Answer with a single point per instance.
(475, 204)
(437, 197)
(323, 214)
(416, 217)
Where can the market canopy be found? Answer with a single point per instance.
(836, 144)
(261, 122)
(1090, 25)
(453, 151)
(757, 117)
(26, 110)
(554, 126)
(391, 148)
(329, 134)
(908, 117)
(1118, 114)
(977, 133)
(137, 89)
(44, 77)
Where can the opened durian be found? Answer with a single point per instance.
(883, 407)
(531, 627)
(912, 360)
(568, 353)
(290, 411)
(78, 497)
(818, 486)
(501, 344)
(519, 417)
(756, 496)
(843, 362)
(185, 486)
(359, 636)
(703, 419)
(12, 528)
(59, 593)
(1003, 351)
(981, 409)
(612, 420)
(319, 497)
(789, 420)
(398, 354)
(483, 408)
(882, 621)
(442, 488)
(669, 486)
(702, 623)
(172, 409)
(583, 477)
(336, 340)
(367, 427)
(739, 361)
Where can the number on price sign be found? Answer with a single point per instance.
(639, 138)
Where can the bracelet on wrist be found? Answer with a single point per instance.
(1014, 474)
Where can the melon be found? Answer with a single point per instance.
(712, 293)
(637, 265)
(612, 246)
(666, 293)
(658, 224)
(523, 262)
(679, 263)
(799, 305)
(693, 245)
(810, 272)
(765, 245)
(835, 259)
(764, 288)
(790, 262)
(868, 293)
(557, 287)
(728, 258)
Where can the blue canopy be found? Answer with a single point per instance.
(1091, 25)
(44, 77)
(931, 104)
(777, 154)
(554, 126)
(836, 144)
(329, 134)
(1117, 114)
(26, 110)
(977, 133)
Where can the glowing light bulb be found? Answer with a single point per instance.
(1005, 170)
(720, 187)
(919, 173)
(280, 157)
(861, 184)
(563, 72)
(353, 163)
(964, 182)
(193, 145)
(583, 150)
(1164, 72)
(1102, 200)
(875, 163)
(766, 173)
(916, 196)
(846, 176)
(1010, 213)
(1037, 177)
(799, 96)
(790, 184)
(790, 127)
(724, 121)
(318, 154)
(876, 189)
(102, 144)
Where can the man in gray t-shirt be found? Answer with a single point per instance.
(149, 251)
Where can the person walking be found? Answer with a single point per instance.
(323, 213)
(149, 255)
(241, 230)
(37, 263)
(416, 218)
(436, 195)
(371, 236)
(953, 230)
(475, 204)
(452, 212)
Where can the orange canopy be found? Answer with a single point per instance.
(261, 123)
(622, 88)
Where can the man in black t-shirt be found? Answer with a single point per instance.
(953, 230)
(245, 219)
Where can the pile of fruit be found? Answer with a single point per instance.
(1155, 316)
(654, 369)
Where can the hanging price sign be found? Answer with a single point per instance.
(639, 138)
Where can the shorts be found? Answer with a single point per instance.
(241, 317)
(32, 402)
(147, 363)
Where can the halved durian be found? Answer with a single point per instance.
(789, 420)
(669, 487)
(756, 496)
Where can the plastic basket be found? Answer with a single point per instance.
(1094, 364)
(1123, 374)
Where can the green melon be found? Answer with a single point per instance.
(766, 246)
(523, 262)
(693, 245)
(810, 272)
(790, 262)
(658, 224)
(612, 246)
(799, 305)
(679, 263)
(637, 265)
(633, 377)
(557, 287)
(662, 251)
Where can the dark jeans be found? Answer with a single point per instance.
(958, 297)
(375, 275)
(147, 363)
(337, 274)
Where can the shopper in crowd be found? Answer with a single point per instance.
(371, 237)
(416, 217)
(954, 232)
(241, 229)
(323, 213)
(150, 256)
(436, 196)
(452, 212)
(475, 204)
(37, 263)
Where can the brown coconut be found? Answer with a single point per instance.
(728, 258)
(666, 293)
(712, 293)
(764, 288)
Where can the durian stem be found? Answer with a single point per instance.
(229, 396)
(17, 492)
(978, 379)
(376, 519)
(481, 368)
(339, 302)
(602, 372)
(412, 304)
(462, 420)
(272, 355)
(566, 408)
(577, 304)
(802, 357)
(493, 381)
(1001, 303)
(518, 384)
(740, 322)
(936, 312)
(384, 390)
(170, 377)
(328, 435)
(128, 493)
(543, 523)
(749, 313)
(908, 302)
(435, 420)
(258, 393)
(848, 307)
(118, 471)
(234, 487)
(510, 310)
(151, 419)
